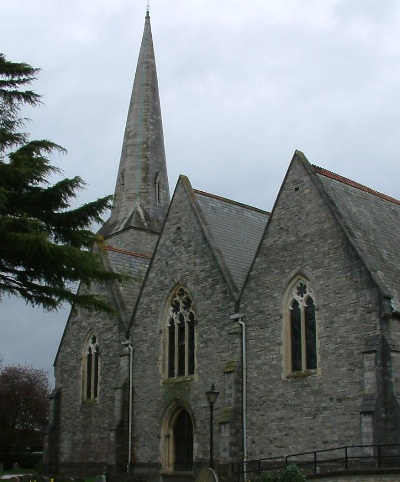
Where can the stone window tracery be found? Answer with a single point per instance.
(91, 369)
(301, 329)
(181, 335)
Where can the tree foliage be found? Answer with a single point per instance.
(24, 407)
(291, 473)
(45, 244)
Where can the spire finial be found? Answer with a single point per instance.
(148, 9)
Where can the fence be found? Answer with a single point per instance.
(354, 457)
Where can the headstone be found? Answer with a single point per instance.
(207, 475)
(100, 478)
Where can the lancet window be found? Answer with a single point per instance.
(91, 369)
(301, 335)
(158, 185)
(181, 335)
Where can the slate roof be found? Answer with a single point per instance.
(237, 230)
(124, 294)
(135, 266)
(372, 221)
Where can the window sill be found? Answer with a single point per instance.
(171, 381)
(89, 401)
(301, 374)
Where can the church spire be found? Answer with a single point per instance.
(141, 195)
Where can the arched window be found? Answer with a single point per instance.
(177, 436)
(301, 329)
(91, 369)
(181, 335)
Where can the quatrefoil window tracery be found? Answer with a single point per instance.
(301, 292)
(181, 309)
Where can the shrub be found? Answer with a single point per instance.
(291, 473)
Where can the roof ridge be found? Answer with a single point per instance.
(230, 201)
(357, 185)
(129, 253)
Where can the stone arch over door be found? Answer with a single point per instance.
(177, 439)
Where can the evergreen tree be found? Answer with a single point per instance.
(46, 246)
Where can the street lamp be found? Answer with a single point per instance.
(212, 396)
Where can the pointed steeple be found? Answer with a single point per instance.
(141, 197)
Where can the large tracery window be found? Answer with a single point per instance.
(181, 335)
(91, 369)
(302, 329)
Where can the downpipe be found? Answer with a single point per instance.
(129, 462)
(239, 317)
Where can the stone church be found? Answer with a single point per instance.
(293, 315)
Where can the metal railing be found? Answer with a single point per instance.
(354, 457)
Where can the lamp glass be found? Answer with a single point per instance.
(212, 395)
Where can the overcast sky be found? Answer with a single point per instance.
(242, 84)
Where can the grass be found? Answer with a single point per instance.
(34, 472)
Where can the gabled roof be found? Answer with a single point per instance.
(184, 187)
(134, 265)
(123, 295)
(372, 222)
(236, 229)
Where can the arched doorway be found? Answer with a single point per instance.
(183, 441)
(177, 439)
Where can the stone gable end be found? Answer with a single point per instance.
(321, 410)
(184, 258)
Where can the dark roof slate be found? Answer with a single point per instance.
(237, 230)
(372, 220)
(135, 266)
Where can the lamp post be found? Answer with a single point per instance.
(212, 396)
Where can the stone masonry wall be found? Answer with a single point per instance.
(90, 430)
(184, 257)
(134, 240)
(86, 425)
(374, 477)
(292, 415)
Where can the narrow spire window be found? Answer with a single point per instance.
(158, 185)
(301, 333)
(181, 336)
(91, 369)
